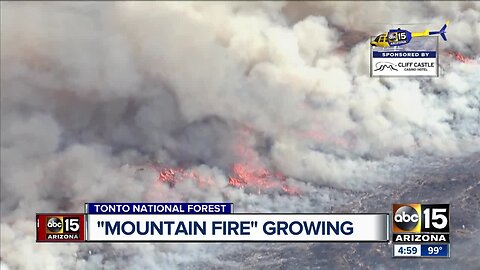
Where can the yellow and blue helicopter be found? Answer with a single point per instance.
(399, 37)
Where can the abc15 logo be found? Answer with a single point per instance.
(419, 218)
(59, 224)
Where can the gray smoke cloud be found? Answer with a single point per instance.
(91, 92)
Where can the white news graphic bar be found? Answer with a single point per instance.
(221, 228)
(407, 250)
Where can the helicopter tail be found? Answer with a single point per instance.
(441, 32)
(421, 34)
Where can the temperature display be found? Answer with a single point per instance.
(435, 250)
(419, 251)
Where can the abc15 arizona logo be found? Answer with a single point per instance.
(421, 218)
(59, 224)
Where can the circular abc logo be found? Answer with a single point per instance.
(406, 218)
(54, 224)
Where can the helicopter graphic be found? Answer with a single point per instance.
(399, 37)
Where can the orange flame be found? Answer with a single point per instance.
(171, 175)
(250, 173)
(459, 56)
(247, 173)
(260, 179)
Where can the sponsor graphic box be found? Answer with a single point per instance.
(418, 58)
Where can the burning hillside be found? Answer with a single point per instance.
(247, 172)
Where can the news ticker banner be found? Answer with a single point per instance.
(239, 228)
(420, 58)
(417, 230)
(205, 222)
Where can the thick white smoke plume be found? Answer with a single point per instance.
(92, 93)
